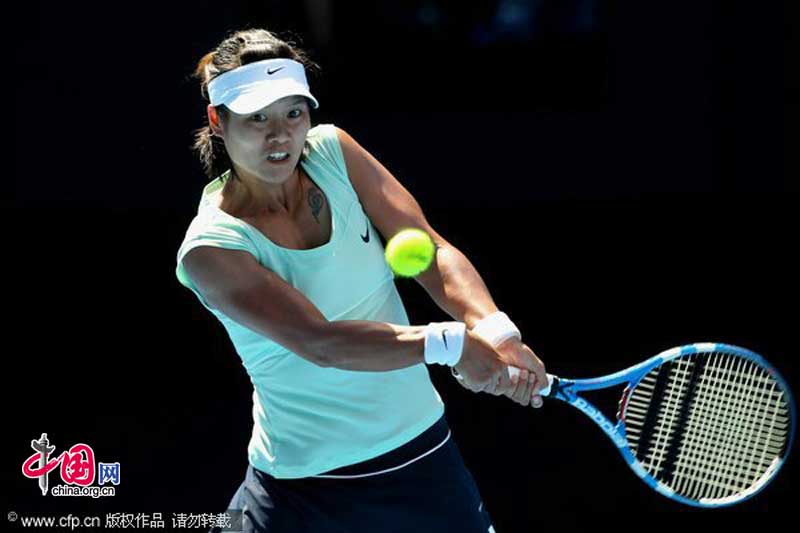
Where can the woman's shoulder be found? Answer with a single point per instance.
(323, 141)
(323, 132)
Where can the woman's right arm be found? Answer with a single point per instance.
(233, 282)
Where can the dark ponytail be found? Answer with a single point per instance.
(241, 48)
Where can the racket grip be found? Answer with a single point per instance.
(514, 371)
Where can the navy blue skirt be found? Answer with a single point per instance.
(422, 486)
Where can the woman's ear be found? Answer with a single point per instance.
(214, 121)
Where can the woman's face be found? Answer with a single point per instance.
(249, 139)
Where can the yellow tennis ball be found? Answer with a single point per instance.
(410, 252)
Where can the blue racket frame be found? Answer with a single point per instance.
(567, 390)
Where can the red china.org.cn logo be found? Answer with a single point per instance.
(77, 470)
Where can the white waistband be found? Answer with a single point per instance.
(394, 468)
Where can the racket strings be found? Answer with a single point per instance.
(721, 449)
(708, 426)
(708, 451)
(718, 466)
(748, 437)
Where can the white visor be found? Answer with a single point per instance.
(251, 87)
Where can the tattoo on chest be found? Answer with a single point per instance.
(316, 200)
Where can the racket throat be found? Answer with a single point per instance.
(567, 391)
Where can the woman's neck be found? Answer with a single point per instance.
(254, 199)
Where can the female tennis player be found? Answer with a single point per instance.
(349, 433)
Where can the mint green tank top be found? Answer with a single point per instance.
(308, 419)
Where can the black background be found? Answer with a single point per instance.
(621, 188)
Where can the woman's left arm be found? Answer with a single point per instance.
(452, 281)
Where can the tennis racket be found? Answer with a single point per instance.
(705, 424)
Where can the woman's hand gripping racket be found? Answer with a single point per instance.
(704, 424)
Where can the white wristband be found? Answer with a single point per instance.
(496, 328)
(444, 342)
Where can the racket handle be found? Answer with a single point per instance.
(514, 371)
